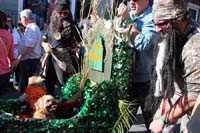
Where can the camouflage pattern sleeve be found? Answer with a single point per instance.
(191, 61)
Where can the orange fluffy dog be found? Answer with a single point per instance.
(45, 107)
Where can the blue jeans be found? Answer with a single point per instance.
(28, 68)
(4, 80)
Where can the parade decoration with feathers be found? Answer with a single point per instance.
(103, 106)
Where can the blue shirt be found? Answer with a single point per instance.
(32, 38)
(144, 44)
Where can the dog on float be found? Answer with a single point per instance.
(45, 108)
(35, 89)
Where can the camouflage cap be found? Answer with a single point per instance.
(168, 9)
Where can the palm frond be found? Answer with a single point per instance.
(125, 118)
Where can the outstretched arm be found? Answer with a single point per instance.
(181, 107)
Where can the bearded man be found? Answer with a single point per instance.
(177, 74)
(63, 36)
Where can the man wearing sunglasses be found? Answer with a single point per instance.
(143, 37)
(177, 80)
(63, 36)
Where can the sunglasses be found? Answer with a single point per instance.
(132, 0)
(9, 20)
(66, 12)
(161, 23)
(19, 24)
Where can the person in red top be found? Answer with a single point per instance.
(6, 52)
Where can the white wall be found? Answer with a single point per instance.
(11, 8)
(20, 5)
(73, 8)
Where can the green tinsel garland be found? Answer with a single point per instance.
(100, 109)
(71, 87)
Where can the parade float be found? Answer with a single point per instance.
(100, 88)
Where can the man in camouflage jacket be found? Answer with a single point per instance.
(177, 71)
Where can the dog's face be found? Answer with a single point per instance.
(45, 104)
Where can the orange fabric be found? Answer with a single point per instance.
(34, 94)
(24, 116)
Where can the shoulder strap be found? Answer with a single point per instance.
(4, 46)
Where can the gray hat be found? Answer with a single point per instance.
(26, 13)
(61, 5)
(168, 9)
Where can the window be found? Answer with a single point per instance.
(194, 11)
